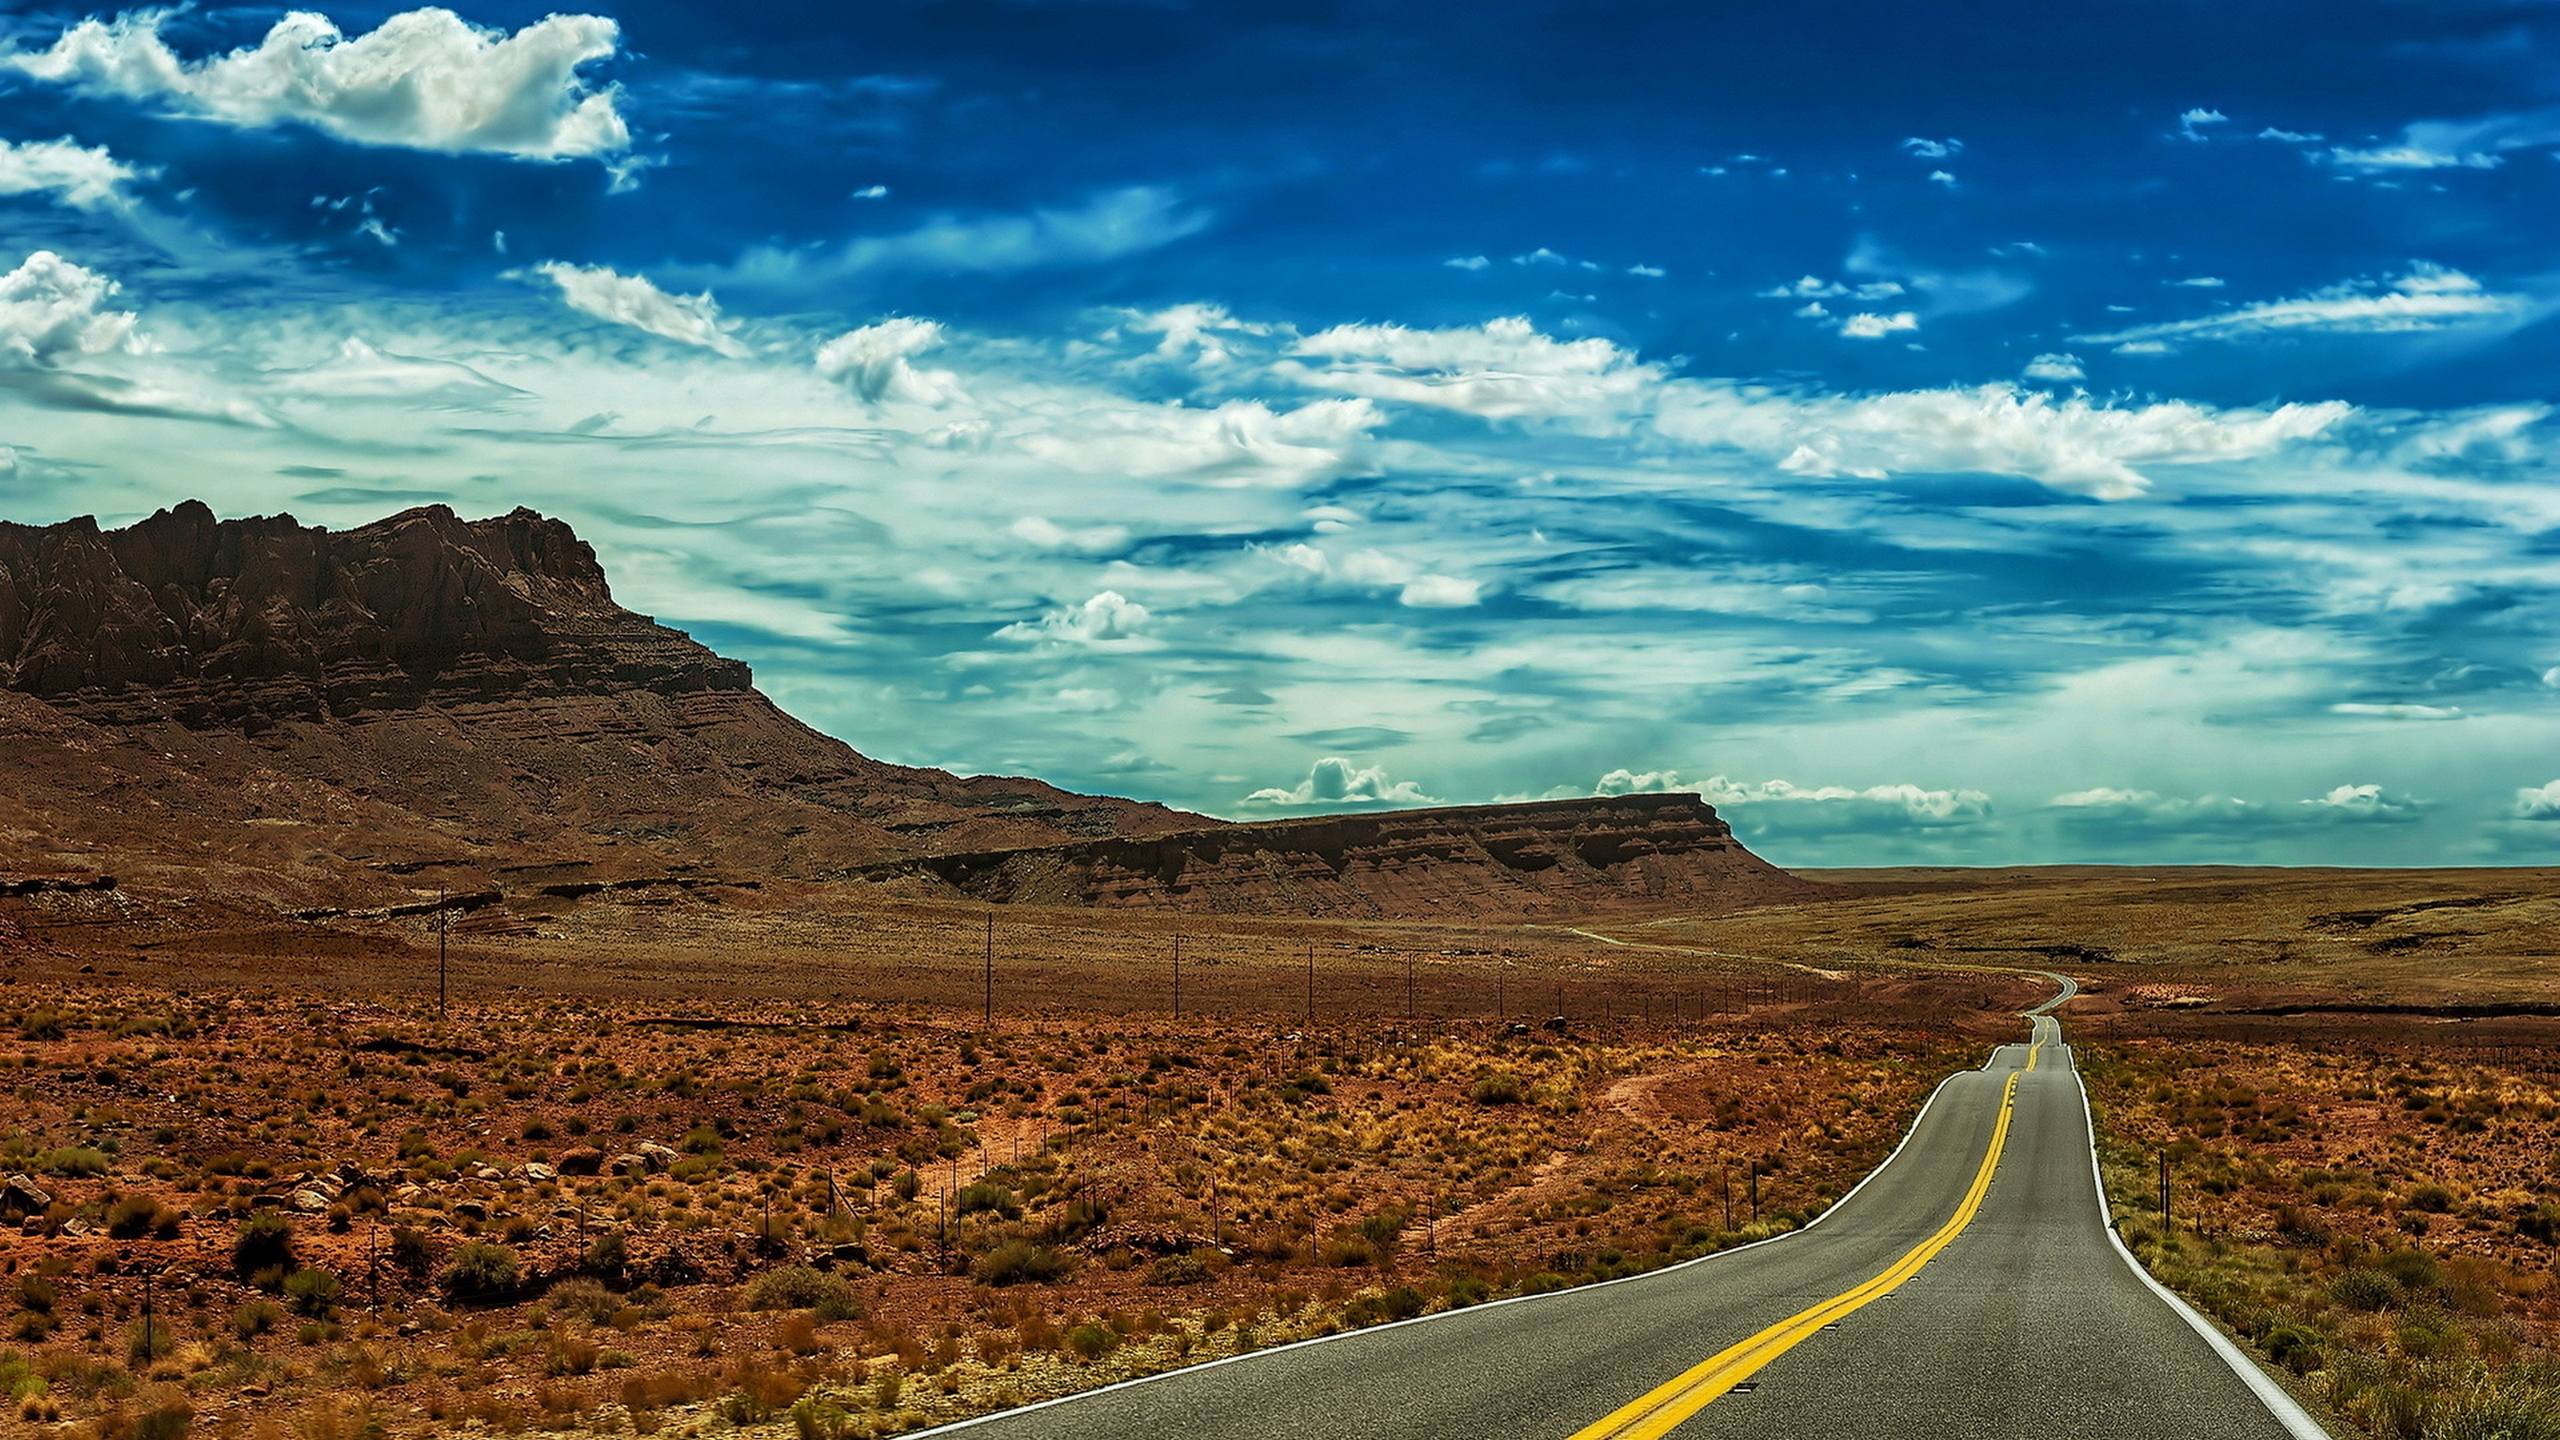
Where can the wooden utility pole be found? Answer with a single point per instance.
(1408, 985)
(1177, 977)
(1311, 982)
(442, 920)
(2165, 1226)
(990, 979)
(146, 1318)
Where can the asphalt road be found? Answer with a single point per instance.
(2026, 1320)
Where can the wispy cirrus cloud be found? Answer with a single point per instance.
(2423, 298)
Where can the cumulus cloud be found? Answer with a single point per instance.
(1336, 781)
(2076, 445)
(2427, 297)
(2130, 810)
(1109, 620)
(632, 300)
(2056, 367)
(1378, 569)
(1468, 262)
(876, 362)
(84, 177)
(2551, 678)
(1194, 331)
(2194, 123)
(1868, 326)
(424, 80)
(1905, 804)
(1502, 370)
(1238, 443)
(2541, 802)
(54, 311)
(1933, 149)
(2362, 804)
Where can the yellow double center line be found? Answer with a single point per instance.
(1657, 1411)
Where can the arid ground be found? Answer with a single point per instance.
(692, 1164)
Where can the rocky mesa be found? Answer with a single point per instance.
(331, 722)
(1544, 857)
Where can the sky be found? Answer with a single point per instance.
(1991, 434)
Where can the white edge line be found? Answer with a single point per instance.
(1205, 1365)
(2288, 1411)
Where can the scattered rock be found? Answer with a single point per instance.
(581, 1161)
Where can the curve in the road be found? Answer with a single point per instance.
(2027, 1309)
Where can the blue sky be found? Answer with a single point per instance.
(1996, 434)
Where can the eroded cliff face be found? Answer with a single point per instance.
(252, 622)
(1549, 857)
(320, 710)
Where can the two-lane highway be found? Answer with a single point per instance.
(1970, 1286)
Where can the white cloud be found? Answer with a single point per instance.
(358, 371)
(1502, 370)
(2411, 157)
(2363, 710)
(425, 80)
(2539, 803)
(1933, 149)
(1336, 781)
(1903, 804)
(2479, 143)
(1109, 620)
(53, 310)
(1107, 226)
(2288, 137)
(1194, 330)
(2075, 444)
(1647, 272)
(872, 192)
(634, 301)
(2551, 678)
(875, 362)
(79, 176)
(1440, 592)
(1943, 177)
(1046, 534)
(1866, 325)
(2364, 804)
(1239, 443)
(2055, 367)
(2198, 282)
(1468, 262)
(2427, 297)
(2193, 123)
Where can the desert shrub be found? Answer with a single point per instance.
(2295, 1347)
(990, 1197)
(1017, 1262)
(584, 1298)
(1190, 1267)
(1499, 1088)
(1090, 1341)
(482, 1271)
(816, 1419)
(255, 1319)
(608, 1255)
(1401, 1302)
(135, 1216)
(313, 1292)
(2431, 1198)
(2365, 1288)
(74, 1160)
(797, 1287)
(409, 1250)
(265, 1243)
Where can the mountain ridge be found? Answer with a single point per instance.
(324, 720)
